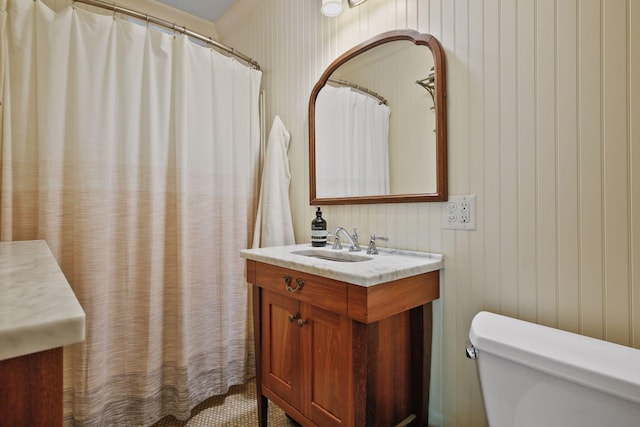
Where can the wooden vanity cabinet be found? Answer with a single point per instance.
(303, 354)
(31, 390)
(332, 353)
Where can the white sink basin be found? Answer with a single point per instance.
(333, 256)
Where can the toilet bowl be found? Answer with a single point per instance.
(532, 376)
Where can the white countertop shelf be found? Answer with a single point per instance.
(38, 309)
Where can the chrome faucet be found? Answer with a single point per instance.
(353, 240)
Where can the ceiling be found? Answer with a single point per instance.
(207, 9)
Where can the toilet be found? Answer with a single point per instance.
(532, 376)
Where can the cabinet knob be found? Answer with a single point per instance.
(299, 284)
(301, 322)
(292, 317)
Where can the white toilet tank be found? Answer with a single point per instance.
(534, 376)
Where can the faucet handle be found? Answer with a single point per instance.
(372, 250)
(354, 237)
(337, 245)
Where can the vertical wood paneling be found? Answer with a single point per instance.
(590, 186)
(435, 16)
(545, 98)
(508, 159)
(568, 213)
(491, 156)
(456, 18)
(477, 285)
(634, 141)
(527, 163)
(616, 220)
(544, 123)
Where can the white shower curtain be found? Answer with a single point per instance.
(134, 155)
(352, 144)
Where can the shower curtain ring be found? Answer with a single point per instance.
(113, 6)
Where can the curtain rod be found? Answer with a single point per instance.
(360, 88)
(169, 25)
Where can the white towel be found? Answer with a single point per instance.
(274, 226)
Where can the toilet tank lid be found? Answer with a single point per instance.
(602, 365)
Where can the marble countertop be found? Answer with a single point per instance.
(388, 265)
(38, 309)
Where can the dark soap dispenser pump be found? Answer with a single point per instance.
(318, 230)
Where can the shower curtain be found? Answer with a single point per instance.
(352, 144)
(134, 154)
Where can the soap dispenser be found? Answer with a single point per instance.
(318, 230)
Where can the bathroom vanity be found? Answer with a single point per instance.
(343, 339)
(39, 314)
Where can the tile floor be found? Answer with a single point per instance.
(235, 409)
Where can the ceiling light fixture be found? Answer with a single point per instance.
(354, 3)
(331, 7)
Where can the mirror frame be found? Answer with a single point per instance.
(440, 105)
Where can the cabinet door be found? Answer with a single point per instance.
(326, 367)
(281, 346)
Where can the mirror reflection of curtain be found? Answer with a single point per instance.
(360, 168)
(134, 154)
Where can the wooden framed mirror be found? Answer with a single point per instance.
(378, 123)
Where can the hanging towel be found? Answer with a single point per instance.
(274, 226)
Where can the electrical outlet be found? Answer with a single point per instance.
(459, 213)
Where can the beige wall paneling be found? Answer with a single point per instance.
(543, 128)
(491, 156)
(456, 32)
(546, 146)
(508, 158)
(634, 141)
(526, 162)
(616, 163)
(590, 186)
(474, 98)
(568, 213)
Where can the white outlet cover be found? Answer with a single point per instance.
(459, 213)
